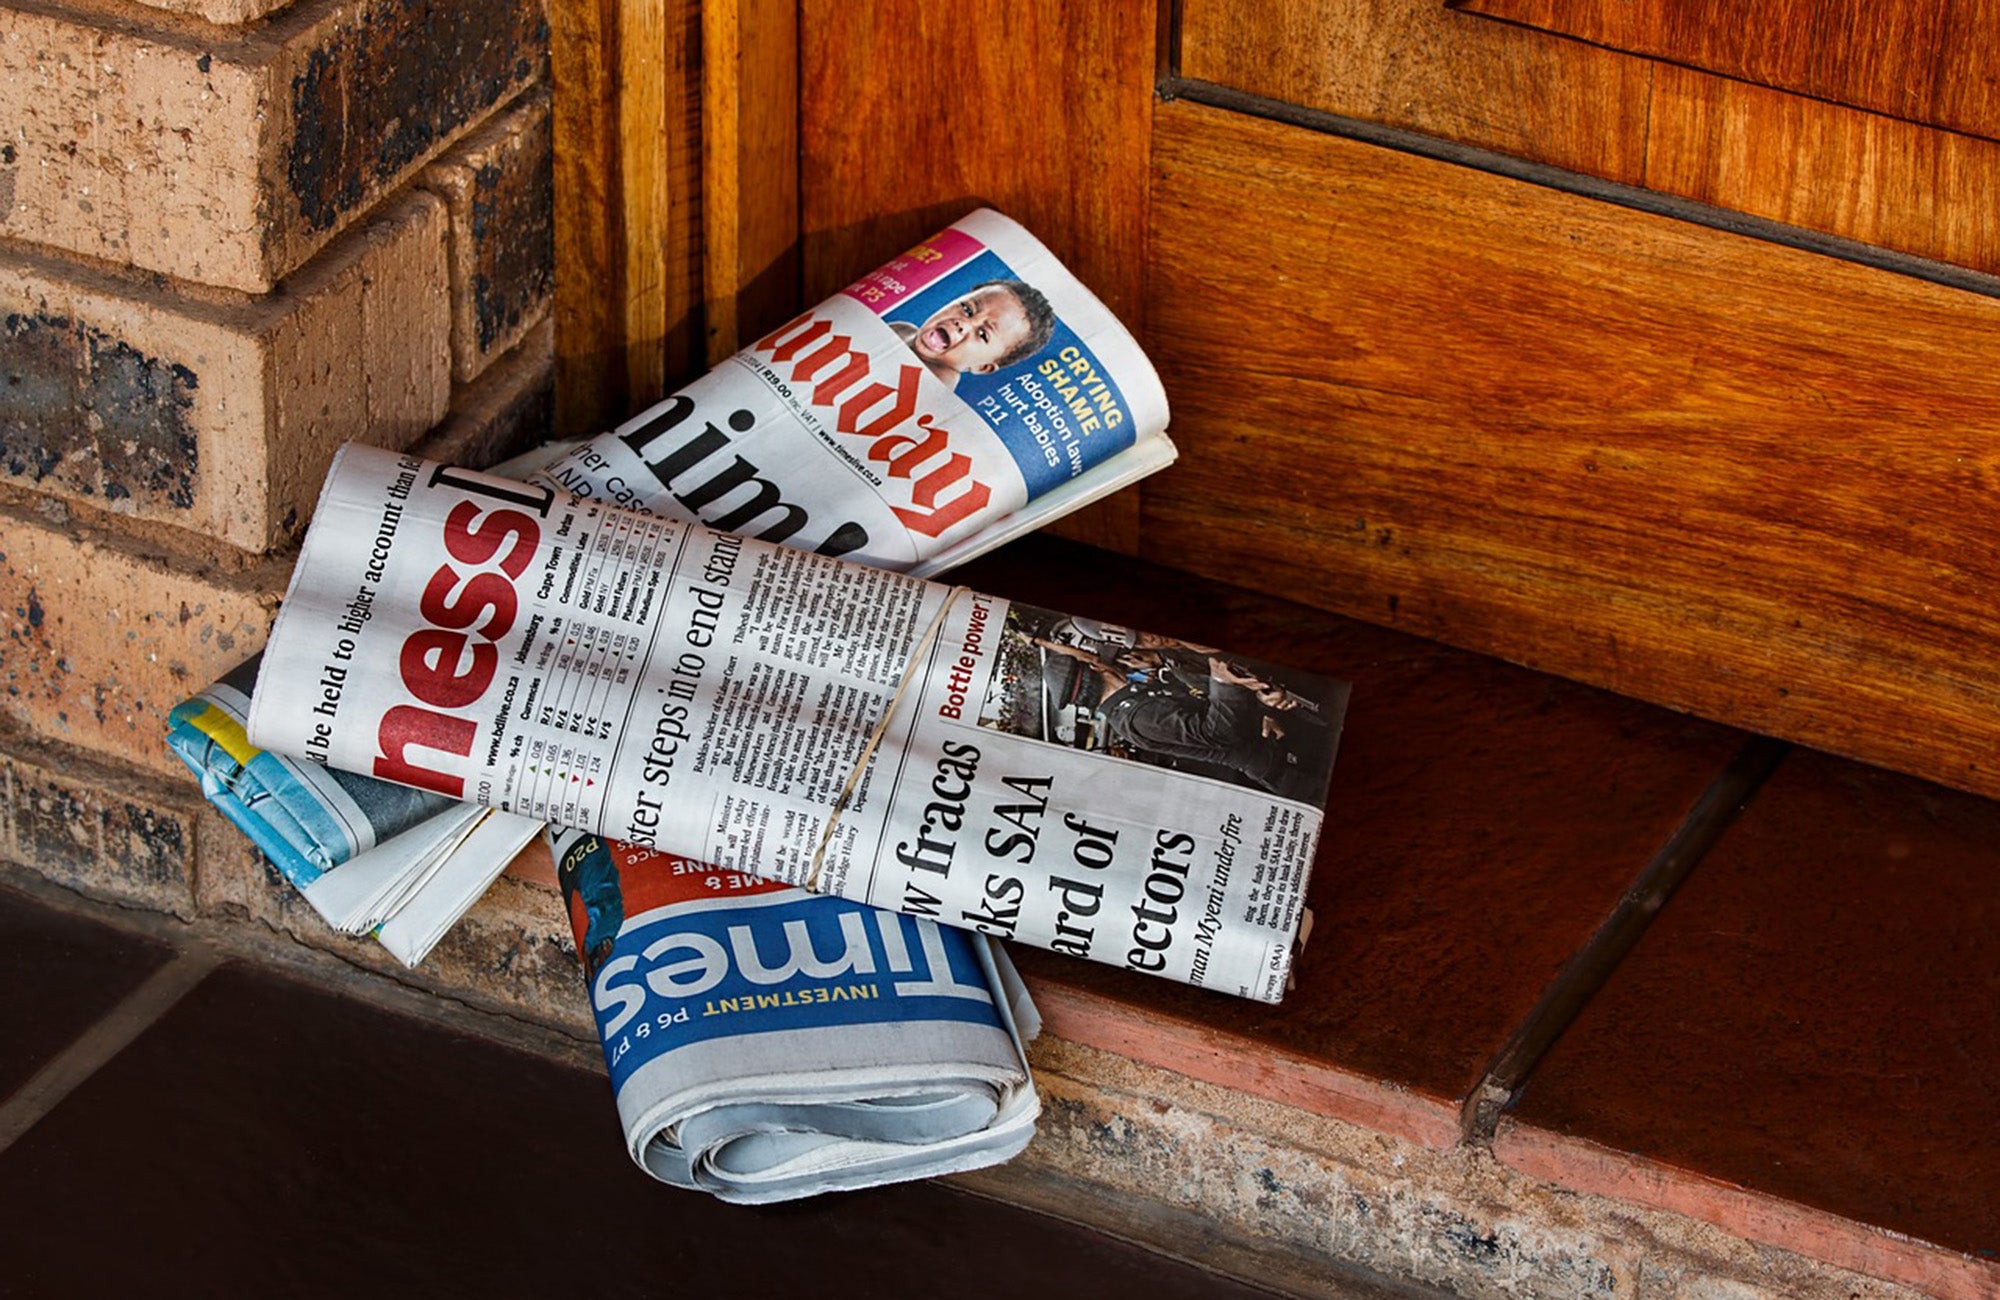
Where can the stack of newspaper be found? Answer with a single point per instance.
(964, 393)
(1096, 790)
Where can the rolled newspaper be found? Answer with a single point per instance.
(964, 393)
(1129, 798)
(765, 1043)
(778, 443)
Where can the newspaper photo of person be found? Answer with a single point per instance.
(996, 324)
(775, 713)
(1157, 700)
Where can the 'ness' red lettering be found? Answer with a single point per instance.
(450, 664)
(877, 412)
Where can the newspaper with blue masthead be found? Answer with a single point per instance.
(766, 1043)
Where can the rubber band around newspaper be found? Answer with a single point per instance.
(917, 653)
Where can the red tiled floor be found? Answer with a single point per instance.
(58, 974)
(1805, 1041)
(266, 1138)
(1483, 821)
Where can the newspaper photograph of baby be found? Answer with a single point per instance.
(942, 403)
(984, 326)
(1159, 700)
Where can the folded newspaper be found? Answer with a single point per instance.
(797, 1086)
(966, 392)
(765, 1043)
(790, 715)
(410, 864)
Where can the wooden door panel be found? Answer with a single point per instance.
(913, 115)
(1693, 467)
(750, 170)
(627, 124)
(1923, 61)
(1418, 65)
(1806, 163)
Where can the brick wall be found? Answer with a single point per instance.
(234, 234)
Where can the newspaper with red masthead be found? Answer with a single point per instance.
(965, 392)
(790, 715)
(946, 402)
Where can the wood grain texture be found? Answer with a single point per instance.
(645, 167)
(626, 123)
(1419, 66)
(750, 170)
(1703, 470)
(683, 355)
(1923, 61)
(1824, 167)
(914, 115)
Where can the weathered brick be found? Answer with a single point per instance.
(222, 417)
(219, 11)
(504, 412)
(97, 644)
(96, 828)
(511, 953)
(236, 882)
(499, 186)
(229, 157)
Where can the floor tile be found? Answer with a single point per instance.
(1814, 1018)
(267, 1138)
(1483, 821)
(58, 974)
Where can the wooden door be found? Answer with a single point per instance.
(1652, 350)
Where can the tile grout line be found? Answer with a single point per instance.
(1594, 963)
(291, 956)
(96, 1046)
